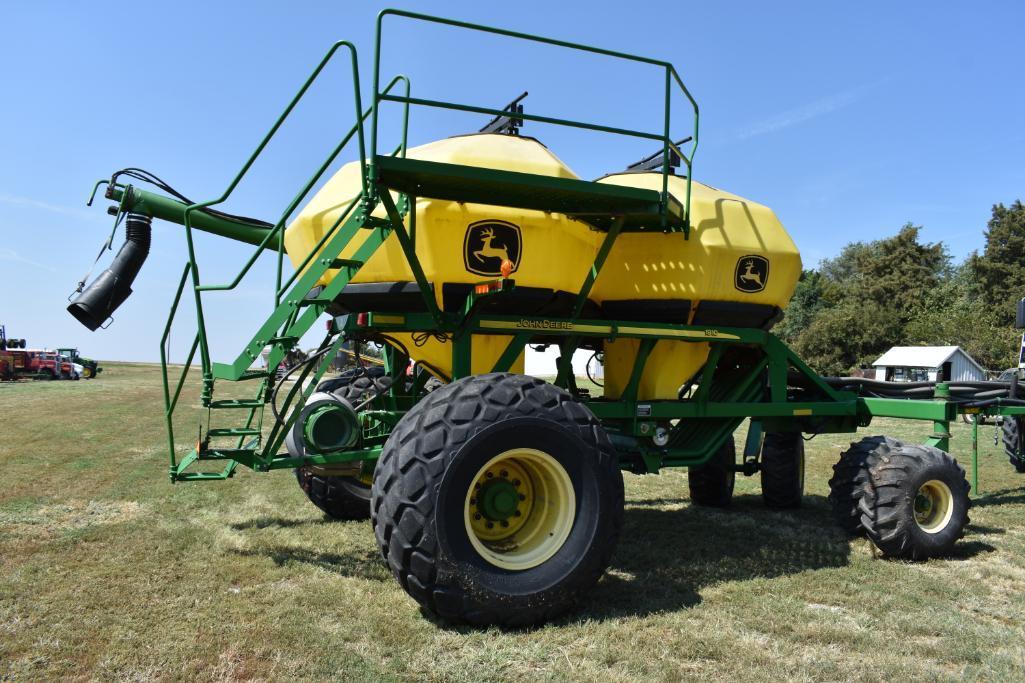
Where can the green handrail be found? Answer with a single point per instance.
(279, 226)
(170, 403)
(203, 346)
(671, 76)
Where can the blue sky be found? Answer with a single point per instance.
(848, 119)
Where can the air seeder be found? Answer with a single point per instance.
(497, 497)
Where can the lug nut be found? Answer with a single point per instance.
(476, 516)
(505, 473)
(490, 475)
(516, 514)
(516, 482)
(522, 497)
(491, 525)
(505, 523)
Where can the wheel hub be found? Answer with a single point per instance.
(934, 506)
(498, 500)
(520, 509)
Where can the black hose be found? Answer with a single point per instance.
(964, 392)
(325, 346)
(114, 285)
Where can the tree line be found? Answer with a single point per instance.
(899, 291)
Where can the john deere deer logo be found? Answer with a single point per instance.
(488, 244)
(488, 250)
(752, 273)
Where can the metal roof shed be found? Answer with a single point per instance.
(932, 363)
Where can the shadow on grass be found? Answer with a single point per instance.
(280, 523)
(364, 564)
(665, 557)
(1011, 496)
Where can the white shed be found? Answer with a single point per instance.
(927, 363)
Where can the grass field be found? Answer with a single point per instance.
(109, 572)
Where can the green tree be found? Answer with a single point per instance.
(859, 303)
(894, 272)
(804, 307)
(957, 314)
(1000, 270)
(847, 336)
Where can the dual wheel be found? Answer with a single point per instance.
(782, 472)
(910, 500)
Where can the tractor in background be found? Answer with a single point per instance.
(90, 367)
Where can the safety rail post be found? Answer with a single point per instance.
(671, 75)
(169, 404)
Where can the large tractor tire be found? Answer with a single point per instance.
(783, 470)
(1011, 437)
(915, 501)
(850, 477)
(498, 499)
(711, 484)
(357, 386)
(343, 497)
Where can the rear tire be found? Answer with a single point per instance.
(1011, 434)
(711, 484)
(543, 455)
(915, 504)
(850, 477)
(783, 470)
(356, 386)
(343, 497)
(339, 497)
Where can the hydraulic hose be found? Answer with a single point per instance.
(113, 286)
(976, 391)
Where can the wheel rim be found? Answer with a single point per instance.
(934, 505)
(519, 509)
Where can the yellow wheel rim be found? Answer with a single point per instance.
(519, 509)
(934, 505)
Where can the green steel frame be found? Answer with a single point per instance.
(772, 386)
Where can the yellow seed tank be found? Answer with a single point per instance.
(738, 267)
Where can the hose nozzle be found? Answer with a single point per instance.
(113, 286)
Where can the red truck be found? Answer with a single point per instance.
(49, 365)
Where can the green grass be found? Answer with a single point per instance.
(109, 572)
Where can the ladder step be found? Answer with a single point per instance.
(346, 263)
(242, 454)
(237, 403)
(311, 302)
(233, 431)
(203, 476)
